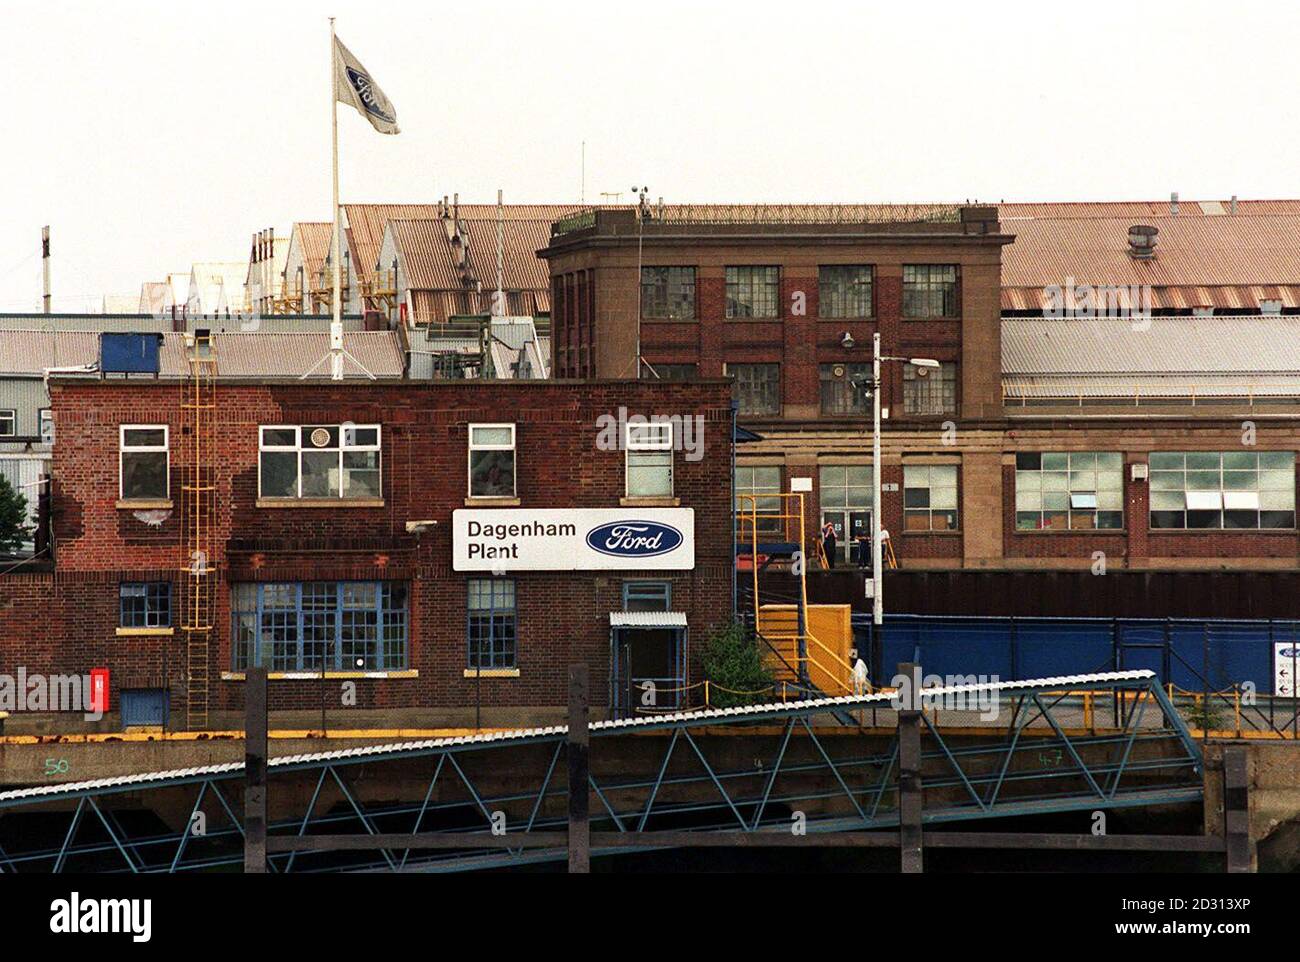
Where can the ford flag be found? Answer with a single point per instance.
(354, 85)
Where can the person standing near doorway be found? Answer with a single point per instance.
(828, 544)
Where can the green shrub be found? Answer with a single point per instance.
(733, 662)
(13, 517)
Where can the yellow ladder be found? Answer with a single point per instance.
(198, 519)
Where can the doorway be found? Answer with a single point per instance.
(647, 670)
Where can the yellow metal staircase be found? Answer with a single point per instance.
(806, 649)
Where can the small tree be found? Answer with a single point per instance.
(733, 663)
(13, 517)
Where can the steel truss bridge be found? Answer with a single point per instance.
(754, 775)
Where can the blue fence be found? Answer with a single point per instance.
(1195, 655)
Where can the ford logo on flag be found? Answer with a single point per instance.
(361, 84)
(634, 539)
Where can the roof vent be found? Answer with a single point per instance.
(1142, 241)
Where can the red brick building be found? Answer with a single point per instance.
(332, 545)
(1126, 440)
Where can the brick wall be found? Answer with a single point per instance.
(67, 621)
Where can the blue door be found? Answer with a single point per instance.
(144, 706)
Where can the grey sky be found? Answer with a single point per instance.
(152, 135)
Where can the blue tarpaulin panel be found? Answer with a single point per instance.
(1193, 654)
(129, 353)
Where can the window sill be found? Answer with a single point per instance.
(650, 502)
(312, 675)
(941, 531)
(145, 632)
(491, 501)
(320, 502)
(1161, 532)
(143, 504)
(1059, 531)
(492, 673)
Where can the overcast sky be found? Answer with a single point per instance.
(150, 136)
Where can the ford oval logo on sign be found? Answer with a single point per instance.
(634, 539)
(1288, 652)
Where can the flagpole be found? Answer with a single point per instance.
(336, 324)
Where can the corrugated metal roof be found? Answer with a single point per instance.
(1145, 208)
(31, 352)
(368, 221)
(239, 355)
(1204, 257)
(773, 710)
(314, 239)
(1158, 345)
(1169, 357)
(647, 619)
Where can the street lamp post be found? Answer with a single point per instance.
(877, 580)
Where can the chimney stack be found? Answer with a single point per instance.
(1173, 204)
(1232, 204)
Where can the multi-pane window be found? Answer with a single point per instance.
(143, 461)
(493, 624)
(492, 460)
(845, 387)
(669, 372)
(647, 596)
(929, 290)
(47, 426)
(145, 604)
(319, 461)
(761, 482)
(1074, 490)
(668, 293)
(753, 291)
(930, 390)
(649, 460)
(8, 423)
(845, 495)
(758, 387)
(930, 497)
(1222, 489)
(329, 625)
(844, 290)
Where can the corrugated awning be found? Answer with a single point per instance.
(647, 619)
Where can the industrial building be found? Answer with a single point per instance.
(1133, 438)
(445, 546)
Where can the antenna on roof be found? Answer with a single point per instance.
(45, 269)
(498, 307)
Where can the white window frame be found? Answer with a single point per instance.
(43, 417)
(656, 436)
(471, 447)
(165, 447)
(297, 448)
(10, 415)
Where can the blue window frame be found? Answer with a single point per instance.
(307, 626)
(647, 596)
(492, 624)
(145, 604)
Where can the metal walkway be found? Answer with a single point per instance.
(998, 749)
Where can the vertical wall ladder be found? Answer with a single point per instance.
(198, 517)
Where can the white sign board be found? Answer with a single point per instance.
(504, 540)
(1286, 659)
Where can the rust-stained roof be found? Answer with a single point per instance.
(368, 221)
(1226, 261)
(314, 240)
(429, 255)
